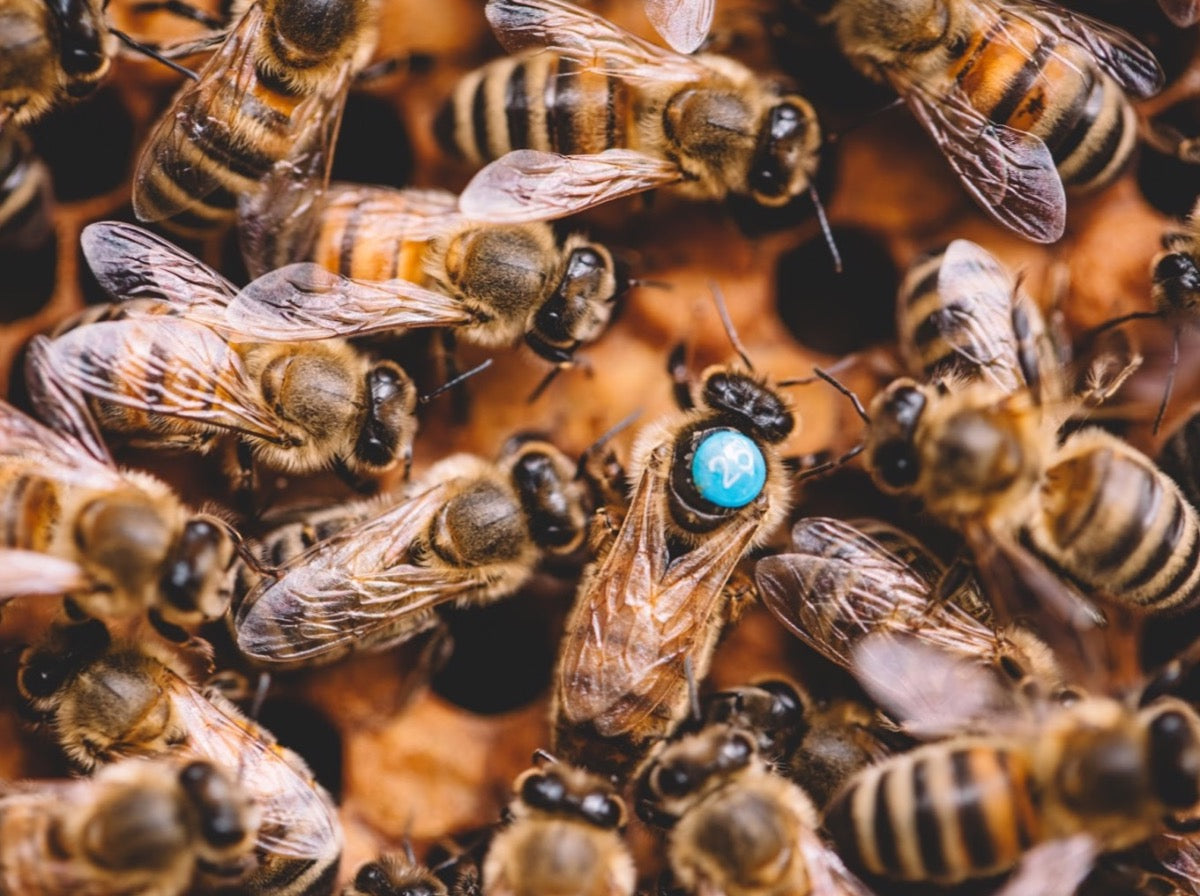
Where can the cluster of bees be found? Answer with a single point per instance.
(1005, 736)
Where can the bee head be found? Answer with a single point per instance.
(785, 157)
(193, 575)
(46, 668)
(80, 43)
(550, 495)
(688, 768)
(891, 444)
(1176, 282)
(222, 816)
(580, 307)
(564, 792)
(390, 877)
(747, 404)
(1173, 751)
(389, 427)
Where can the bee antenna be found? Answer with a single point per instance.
(544, 383)
(147, 50)
(1166, 399)
(826, 230)
(451, 383)
(652, 284)
(239, 545)
(541, 755)
(1091, 334)
(858, 407)
(406, 839)
(830, 464)
(605, 437)
(727, 322)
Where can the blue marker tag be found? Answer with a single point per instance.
(728, 469)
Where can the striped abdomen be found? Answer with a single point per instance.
(209, 143)
(1030, 79)
(30, 509)
(358, 236)
(539, 101)
(1116, 523)
(941, 813)
(25, 193)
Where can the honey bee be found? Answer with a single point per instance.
(1065, 782)
(50, 53)
(118, 542)
(816, 744)
(25, 193)
(138, 828)
(735, 826)
(156, 375)
(472, 531)
(955, 318)
(105, 700)
(393, 874)
(563, 836)
(841, 582)
(273, 92)
(408, 258)
(708, 484)
(1021, 97)
(605, 114)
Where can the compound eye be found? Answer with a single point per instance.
(672, 780)
(543, 791)
(728, 469)
(42, 677)
(1175, 760)
(735, 751)
(372, 880)
(897, 464)
(601, 810)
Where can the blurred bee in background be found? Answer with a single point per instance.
(604, 114)
(409, 258)
(1046, 788)
(395, 874)
(471, 532)
(25, 193)
(735, 826)
(1021, 97)
(273, 92)
(105, 700)
(156, 375)
(816, 744)
(841, 582)
(137, 828)
(118, 542)
(708, 484)
(563, 835)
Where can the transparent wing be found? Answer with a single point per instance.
(66, 410)
(298, 819)
(168, 366)
(1128, 62)
(306, 301)
(588, 40)
(638, 617)
(1010, 173)
(828, 876)
(1057, 866)
(1183, 13)
(530, 185)
(52, 454)
(30, 572)
(132, 263)
(837, 585)
(683, 24)
(344, 590)
(1180, 855)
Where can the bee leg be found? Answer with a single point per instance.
(360, 484)
(409, 64)
(182, 10)
(244, 481)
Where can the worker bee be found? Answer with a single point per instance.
(395, 874)
(25, 193)
(1021, 97)
(409, 258)
(118, 542)
(156, 375)
(50, 52)
(563, 836)
(472, 531)
(736, 826)
(955, 318)
(272, 92)
(708, 484)
(605, 114)
(105, 700)
(138, 828)
(842, 581)
(1063, 781)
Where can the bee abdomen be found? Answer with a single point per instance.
(280, 876)
(939, 814)
(367, 246)
(30, 511)
(540, 101)
(1117, 523)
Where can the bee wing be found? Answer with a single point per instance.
(683, 24)
(530, 185)
(590, 41)
(348, 587)
(1180, 854)
(930, 692)
(1057, 866)
(837, 585)
(132, 263)
(169, 366)
(1183, 13)
(29, 572)
(827, 875)
(1010, 173)
(298, 819)
(649, 605)
(305, 301)
(1128, 62)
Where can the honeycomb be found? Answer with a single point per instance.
(409, 758)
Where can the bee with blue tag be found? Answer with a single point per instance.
(707, 485)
